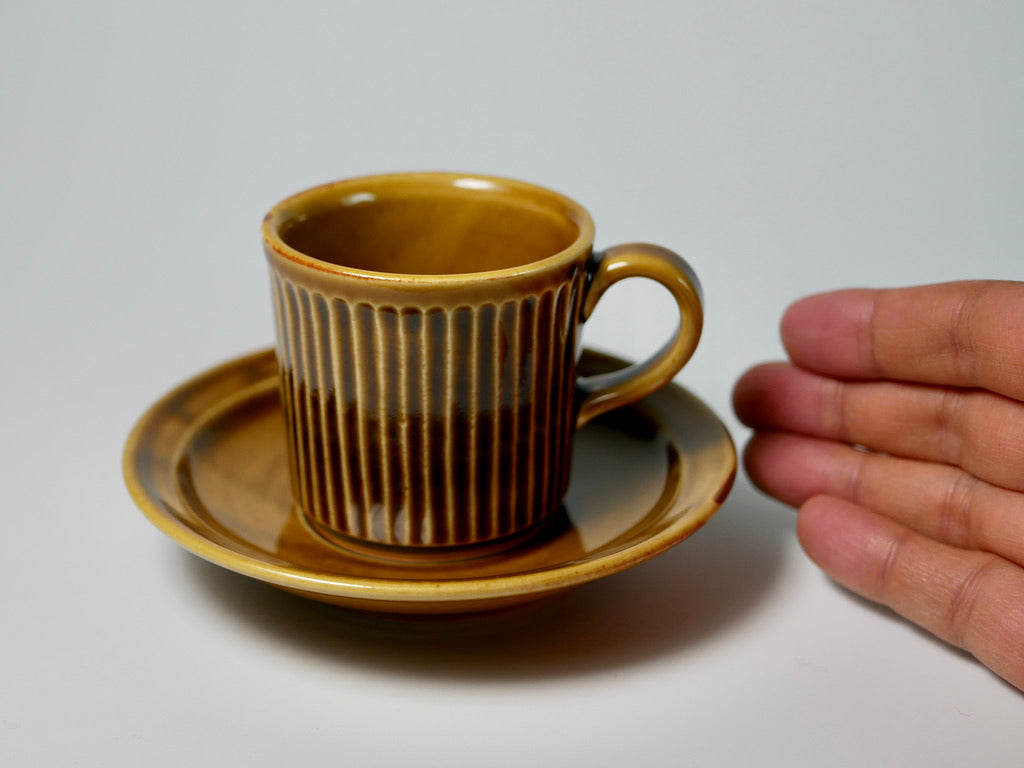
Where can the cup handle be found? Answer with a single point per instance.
(606, 391)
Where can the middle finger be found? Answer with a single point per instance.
(978, 431)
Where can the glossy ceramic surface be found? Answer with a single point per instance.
(207, 465)
(427, 332)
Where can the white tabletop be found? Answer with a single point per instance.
(783, 148)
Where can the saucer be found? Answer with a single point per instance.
(207, 466)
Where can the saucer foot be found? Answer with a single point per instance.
(553, 525)
(429, 611)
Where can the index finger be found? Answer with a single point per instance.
(967, 334)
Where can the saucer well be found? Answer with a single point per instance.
(207, 465)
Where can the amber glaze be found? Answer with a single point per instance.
(206, 464)
(427, 336)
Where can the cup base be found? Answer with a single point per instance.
(396, 554)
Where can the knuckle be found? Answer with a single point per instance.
(951, 413)
(964, 600)
(855, 478)
(955, 510)
(962, 335)
(870, 342)
(891, 564)
(832, 415)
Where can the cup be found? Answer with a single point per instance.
(428, 330)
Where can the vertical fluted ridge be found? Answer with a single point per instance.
(427, 425)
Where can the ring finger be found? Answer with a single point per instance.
(939, 501)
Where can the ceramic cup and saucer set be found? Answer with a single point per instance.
(428, 436)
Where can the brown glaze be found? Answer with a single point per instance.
(424, 425)
(207, 466)
(427, 330)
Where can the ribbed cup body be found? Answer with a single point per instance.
(428, 418)
(427, 330)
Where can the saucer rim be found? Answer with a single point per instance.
(368, 592)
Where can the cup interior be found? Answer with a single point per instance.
(428, 224)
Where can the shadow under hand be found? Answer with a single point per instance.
(889, 614)
(683, 597)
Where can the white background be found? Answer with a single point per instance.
(783, 148)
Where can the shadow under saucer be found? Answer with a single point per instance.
(681, 598)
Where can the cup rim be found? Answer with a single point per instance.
(288, 208)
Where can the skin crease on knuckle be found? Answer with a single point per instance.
(968, 591)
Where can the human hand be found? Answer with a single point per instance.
(898, 431)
